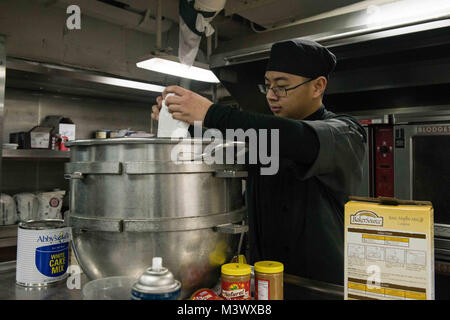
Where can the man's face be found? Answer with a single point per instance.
(297, 102)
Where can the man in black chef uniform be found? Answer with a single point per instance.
(297, 215)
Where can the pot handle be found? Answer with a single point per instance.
(231, 228)
(222, 146)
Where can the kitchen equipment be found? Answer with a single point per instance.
(42, 252)
(8, 214)
(421, 156)
(110, 288)
(156, 283)
(130, 201)
(27, 206)
(422, 173)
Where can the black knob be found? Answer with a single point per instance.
(384, 149)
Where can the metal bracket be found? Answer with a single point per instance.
(232, 228)
(158, 224)
(75, 175)
(231, 174)
(93, 167)
(162, 167)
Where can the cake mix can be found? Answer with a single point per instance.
(42, 252)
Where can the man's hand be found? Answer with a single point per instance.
(156, 108)
(186, 105)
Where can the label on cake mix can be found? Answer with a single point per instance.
(42, 252)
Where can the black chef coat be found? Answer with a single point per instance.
(297, 216)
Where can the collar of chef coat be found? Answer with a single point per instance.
(317, 115)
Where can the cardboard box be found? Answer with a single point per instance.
(37, 138)
(389, 249)
(67, 130)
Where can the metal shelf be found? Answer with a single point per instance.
(59, 79)
(35, 154)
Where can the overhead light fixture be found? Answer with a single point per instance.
(134, 84)
(162, 61)
(406, 11)
(167, 65)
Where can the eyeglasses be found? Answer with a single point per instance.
(279, 91)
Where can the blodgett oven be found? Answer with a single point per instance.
(410, 160)
(422, 168)
(422, 172)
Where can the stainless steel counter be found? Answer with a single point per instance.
(9, 290)
(295, 288)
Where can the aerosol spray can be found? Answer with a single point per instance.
(156, 283)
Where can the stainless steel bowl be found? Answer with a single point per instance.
(130, 202)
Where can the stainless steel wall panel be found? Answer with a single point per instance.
(25, 109)
(21, 112)
(50, 175)
(31, 176)
(90, 115)
(19, 176)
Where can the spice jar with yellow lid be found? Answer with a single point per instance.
(269, 280)
(236, 278)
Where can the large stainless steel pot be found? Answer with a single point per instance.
(129, 202)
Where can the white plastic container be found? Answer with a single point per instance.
(169, 127)
(50, 204)
(8, 213)
(110, 288)
(27, 206)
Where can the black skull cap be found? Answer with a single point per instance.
(301, 57)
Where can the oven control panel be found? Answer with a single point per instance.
(384, 161)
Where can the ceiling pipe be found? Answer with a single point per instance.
(158, 25)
